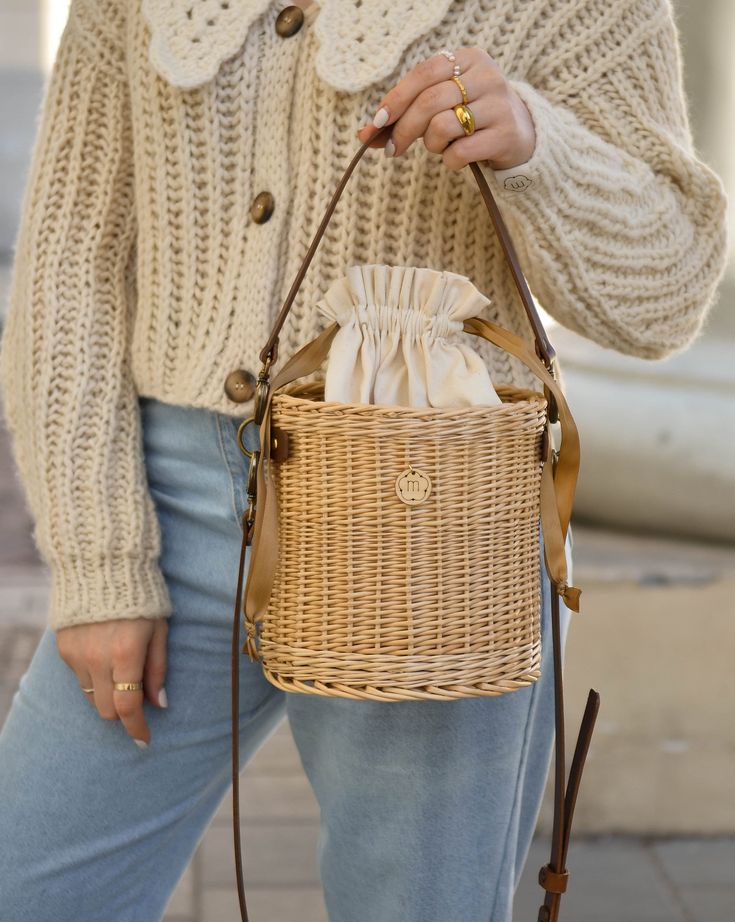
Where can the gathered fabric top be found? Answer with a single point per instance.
(401, 339)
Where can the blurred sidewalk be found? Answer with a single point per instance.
(641, 878)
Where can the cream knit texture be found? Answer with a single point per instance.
(138, 269)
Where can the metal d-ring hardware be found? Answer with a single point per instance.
(261, 401)
(240, 432)
(262, 389)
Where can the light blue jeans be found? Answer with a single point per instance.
(427, 808)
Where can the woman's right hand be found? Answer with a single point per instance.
(120, 650)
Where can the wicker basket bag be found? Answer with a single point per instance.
(396, 550)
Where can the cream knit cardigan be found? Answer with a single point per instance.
(138, 269)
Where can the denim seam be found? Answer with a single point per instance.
(228, 465)
(523, 759)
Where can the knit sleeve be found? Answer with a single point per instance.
(69, 399)
(620, 227)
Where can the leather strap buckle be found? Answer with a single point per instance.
(553, 881)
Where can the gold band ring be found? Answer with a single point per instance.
(87, 689)
(462, 90)
(127, 686)
(465, 117)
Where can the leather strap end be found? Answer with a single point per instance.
(571, 595)
(250, 648)
(553, 881)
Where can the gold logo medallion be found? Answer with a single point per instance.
(413, 486)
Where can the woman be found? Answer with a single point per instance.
(186, 153)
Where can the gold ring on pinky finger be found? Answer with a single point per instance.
(465, 117)
(88, 690)
(127, 686)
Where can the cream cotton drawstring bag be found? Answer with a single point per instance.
(399, 339)
(395, 508)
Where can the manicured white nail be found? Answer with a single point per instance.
(381, 117)
(163, 698)
(390, 148)
(141, 744)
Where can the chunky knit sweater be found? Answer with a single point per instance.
(139, 269)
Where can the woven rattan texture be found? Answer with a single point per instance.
(377, 599)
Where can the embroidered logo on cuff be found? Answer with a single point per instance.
(517, 183)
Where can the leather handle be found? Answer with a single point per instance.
(544, 349)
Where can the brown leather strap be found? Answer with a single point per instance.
(543, 347)
(235, 731)
(264, 551)
(557, 488)
(552, 881)
(562, 826)
(296, 365)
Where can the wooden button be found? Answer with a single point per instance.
(240, 385)
(289, 21)
(262, 207)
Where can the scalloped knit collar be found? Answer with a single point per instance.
(359, 42)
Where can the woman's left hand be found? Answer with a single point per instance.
(421, 105)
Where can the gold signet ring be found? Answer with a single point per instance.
(465, 117)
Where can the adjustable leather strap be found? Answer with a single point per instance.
(264, 551)
(558, 481)
(558, 484)
(235, 731)
(265, 540)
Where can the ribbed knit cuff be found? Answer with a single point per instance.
(524, 185)
(85, 590)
